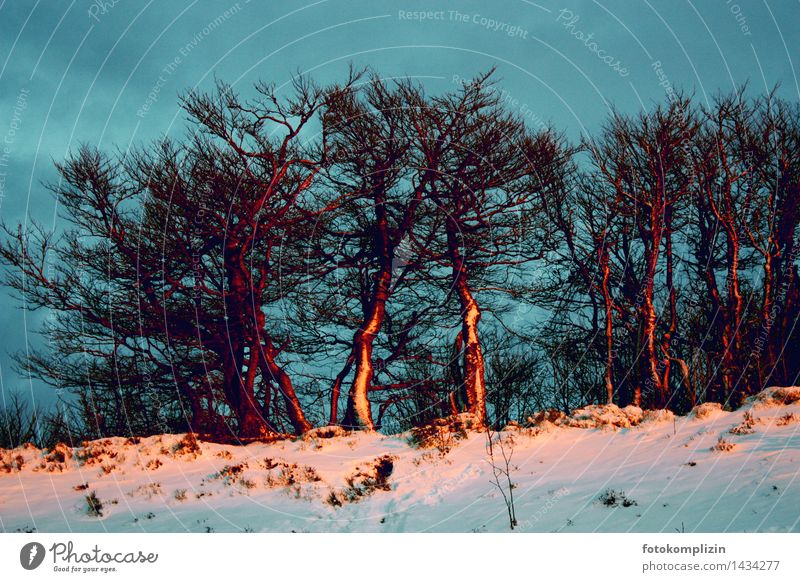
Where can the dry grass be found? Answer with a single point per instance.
(187, 447)
(98, 453)
(723, 446)
(778, 396)
(614, 498)
(11, 462)
(94, 507)
(56, 459)
(374, 476)
(787, 395)
(747, 425)
(326, 432)
(443, 434)
(149, 490)
(289, 475)
(153, 464)
(707, 410)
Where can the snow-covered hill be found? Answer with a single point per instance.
(601, 469)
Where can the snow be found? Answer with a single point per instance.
(601, 468)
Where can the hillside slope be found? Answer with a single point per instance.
(658, 474)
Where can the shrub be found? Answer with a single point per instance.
(96, 452)
(60, 453)
(230, 471)
(707, 410)
(289, 474)
(613, 498)
(746, 427)
(10, 463)
(325, 432)
(374, 477)
(787, 395)
(149, 490)
(723, 446)
(333, 499)
(188, 445)
(443, 434)
(94, 505)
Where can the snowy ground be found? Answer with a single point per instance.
(665, 474)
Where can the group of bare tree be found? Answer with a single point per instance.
(418, 255)
(680, 253)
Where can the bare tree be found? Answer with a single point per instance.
(492, 179)
(164, 278)
(645, 162)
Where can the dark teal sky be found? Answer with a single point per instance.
(109, 72)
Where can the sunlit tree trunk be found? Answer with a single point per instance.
(474, 367)
(359, 410)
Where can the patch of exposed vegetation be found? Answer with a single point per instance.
(11, 462)
(148, 490)
(443, 434)
(283, 474)
(614, 498)
(98, 453)
(94, 507)
(187, 447)
(723, 446)
(374, 476)
(230, 473)
(707, 410)
(747, 425)
(153, 464)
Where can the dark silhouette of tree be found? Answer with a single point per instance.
(375, 239)
(165, 277)
(369, 146)
(644, 164)
(492, 178)
(771, 150)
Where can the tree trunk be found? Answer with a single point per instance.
(238, 385)
(272, 370)
(457, 397)
(474, 368)
(663, 397)
(359, 411)
(732, 340)
(336, 390)
(609, 323)
(651, 375)
(251, 423)
(649, 317)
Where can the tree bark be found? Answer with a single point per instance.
(474, 367)
(277, 374)
(609, 323)
(359, 410)
(336, 390)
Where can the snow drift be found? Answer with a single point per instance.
(601, 468)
